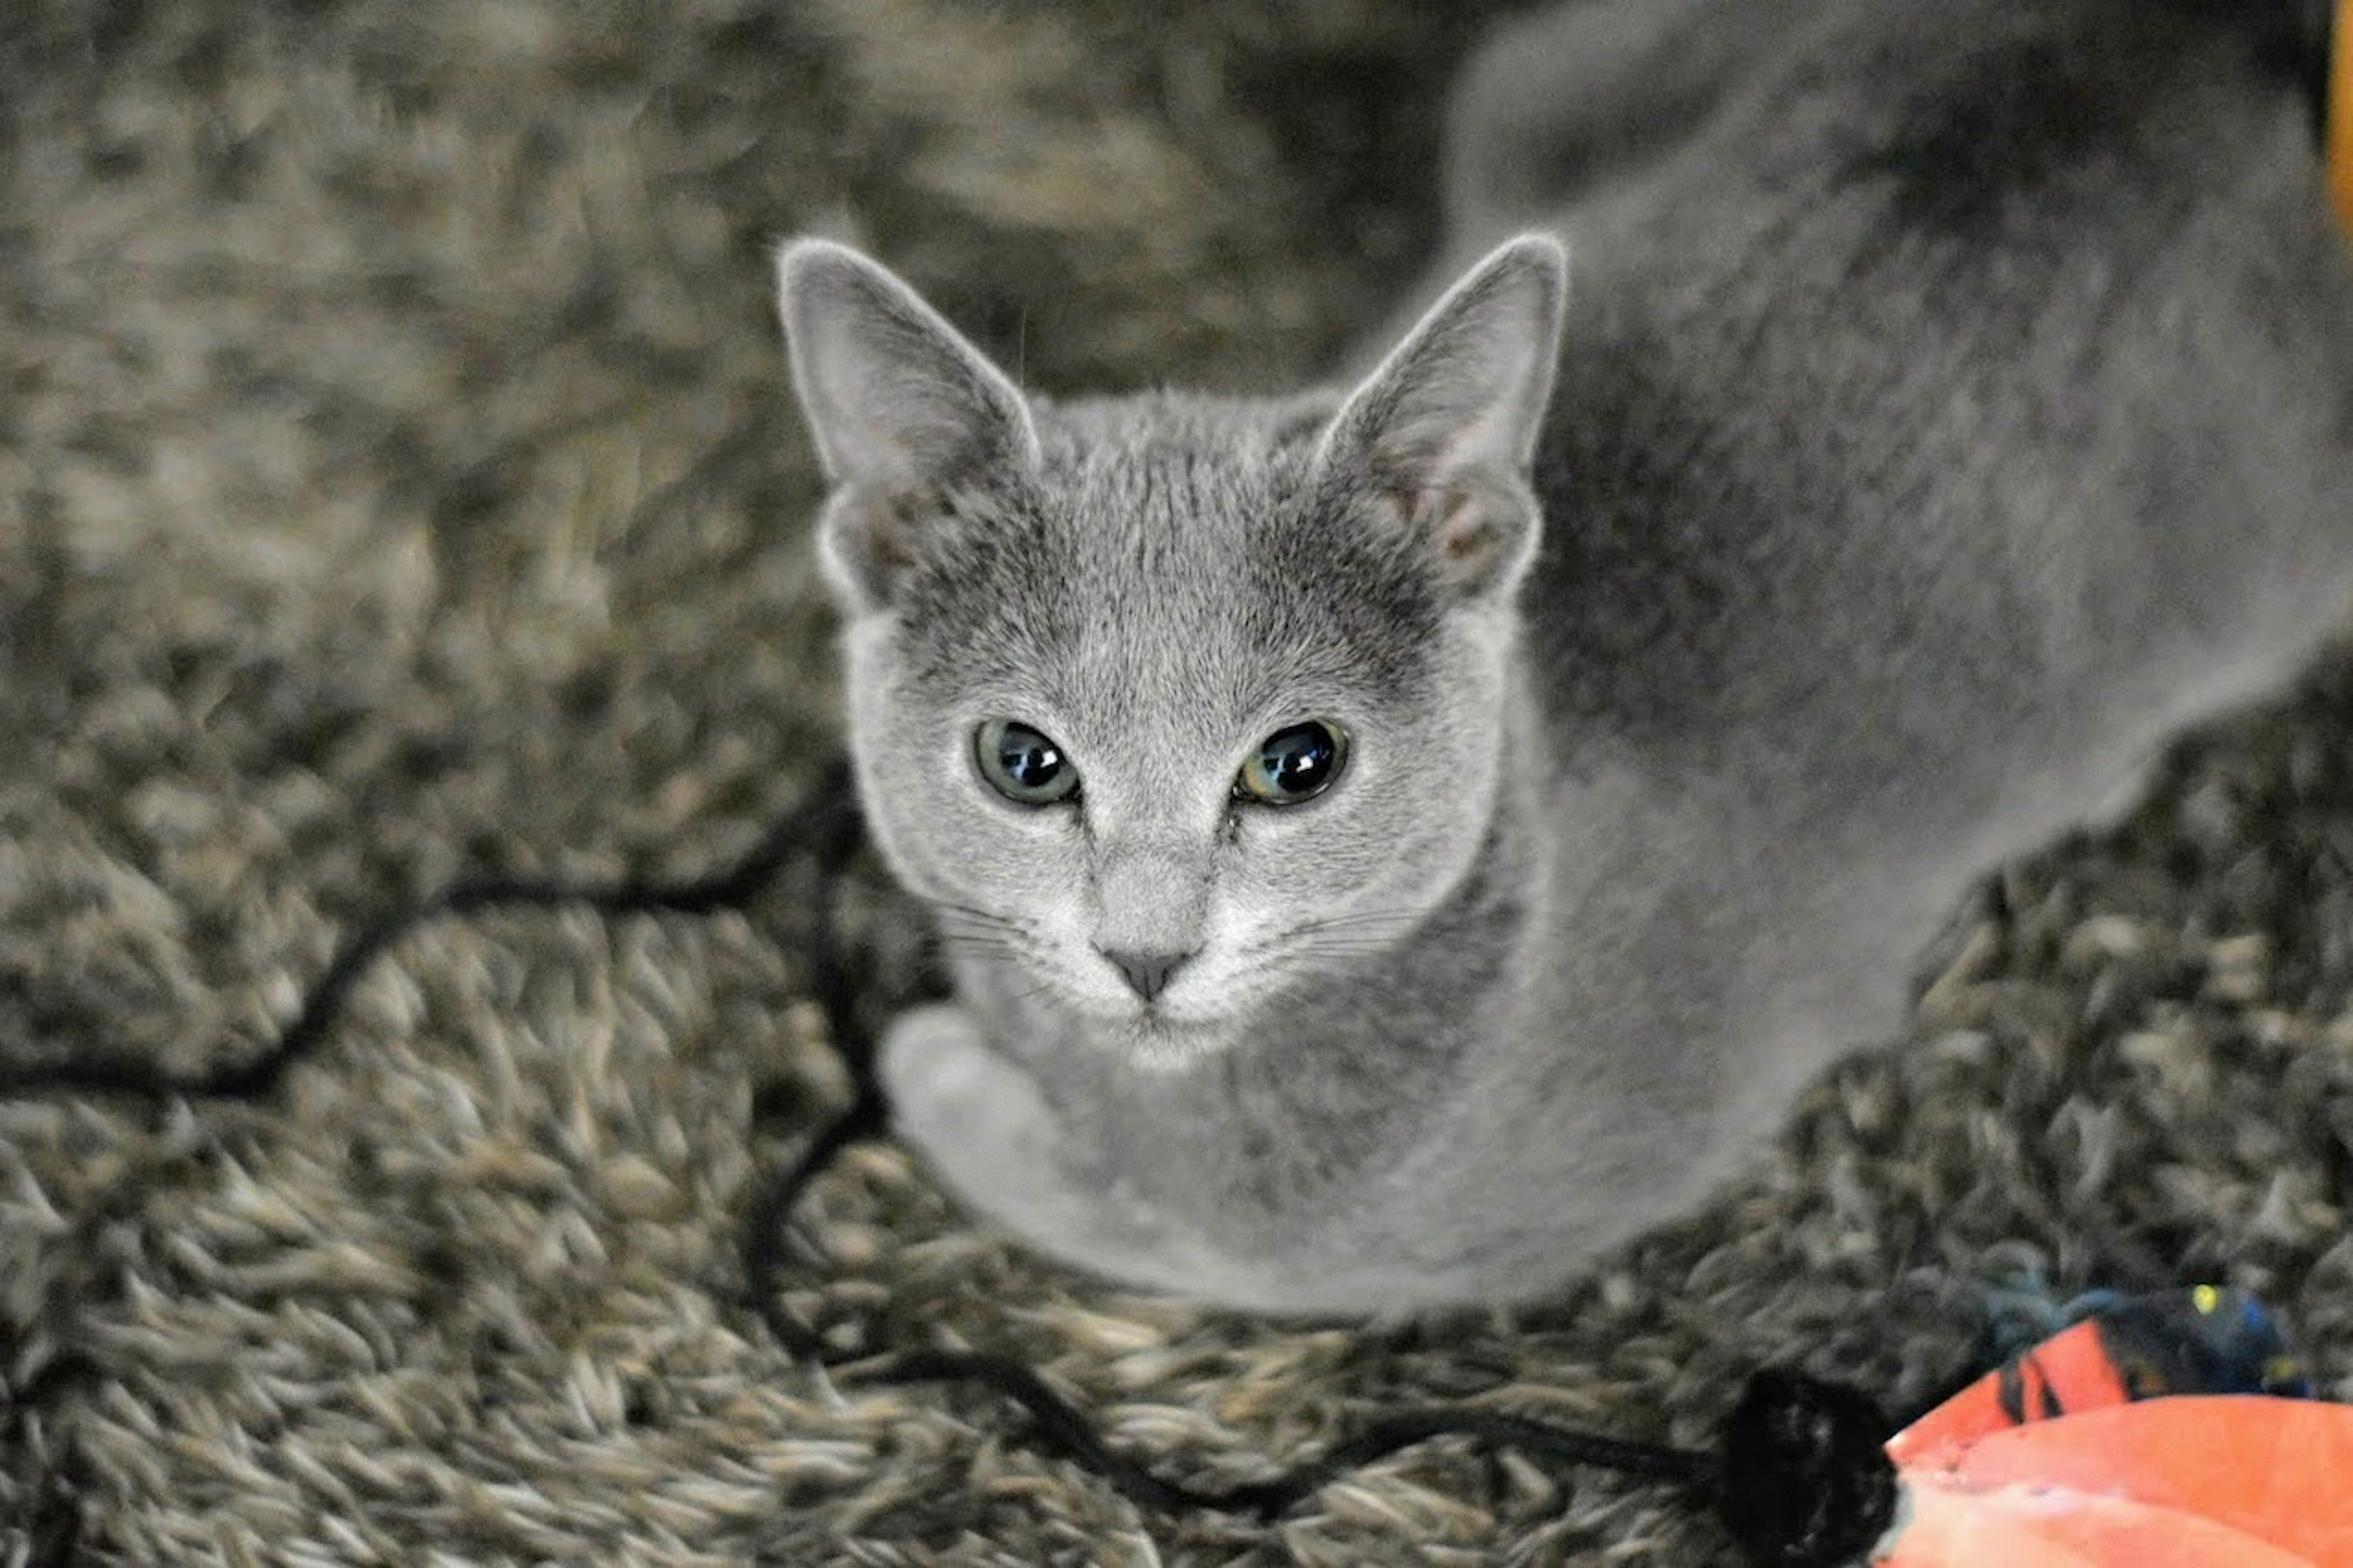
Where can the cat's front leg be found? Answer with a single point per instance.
(987, 1131)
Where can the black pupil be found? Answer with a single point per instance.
(1298, 759)
(1029, 759)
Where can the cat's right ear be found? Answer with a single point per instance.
(900, 406)
(1445, 429)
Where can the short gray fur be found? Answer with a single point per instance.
(1952, 401)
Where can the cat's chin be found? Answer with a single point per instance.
(1159, 1038)
(1158, 1044)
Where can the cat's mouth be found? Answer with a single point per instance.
(1178, 1025)
(1157, 1040)
(1162, 1015)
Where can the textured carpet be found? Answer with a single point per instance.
(397, 483)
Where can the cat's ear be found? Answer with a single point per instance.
(1445, 429)
(901, 407)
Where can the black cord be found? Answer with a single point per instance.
(1802, 1479)
(1063, 1427)
(1797, 1480)
(821, 823)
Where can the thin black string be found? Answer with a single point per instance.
(824, 830)
(1063, 1427)
(817, 827)
(1066, 1429)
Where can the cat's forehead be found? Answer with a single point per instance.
(1174, 550)
(1176, 460)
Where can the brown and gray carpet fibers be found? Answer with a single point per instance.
(397, 483)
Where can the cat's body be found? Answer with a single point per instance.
(1952, 401)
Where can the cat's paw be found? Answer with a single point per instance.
(977, 1117)
(986, 1132)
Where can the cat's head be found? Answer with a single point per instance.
(1172, 703)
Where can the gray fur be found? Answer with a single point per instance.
(1953, 401)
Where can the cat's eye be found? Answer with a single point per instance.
(1023, 764)
(1293, 764)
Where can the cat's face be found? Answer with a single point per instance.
(1170, 705)
(1160, 716)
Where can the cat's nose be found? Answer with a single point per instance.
(1146, 974)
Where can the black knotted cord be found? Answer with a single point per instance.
(1800, 1480)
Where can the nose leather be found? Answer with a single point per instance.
(1146, 974)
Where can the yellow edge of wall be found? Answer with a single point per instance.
(2340, 116)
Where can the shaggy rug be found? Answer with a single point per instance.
(398, 484)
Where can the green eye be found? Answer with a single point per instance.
(1023, 764)
(1293, 764)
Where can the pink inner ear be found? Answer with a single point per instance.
(891, 533)
(875, 531)
(1471, 524)
(1466, 530)
(885, 520)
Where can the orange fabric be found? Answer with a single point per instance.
(2230, 1480)
(2020, 1527)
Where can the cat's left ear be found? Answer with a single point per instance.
(1445, 429)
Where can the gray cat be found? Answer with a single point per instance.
(1393, 841)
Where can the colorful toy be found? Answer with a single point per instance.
(2161, 1429)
